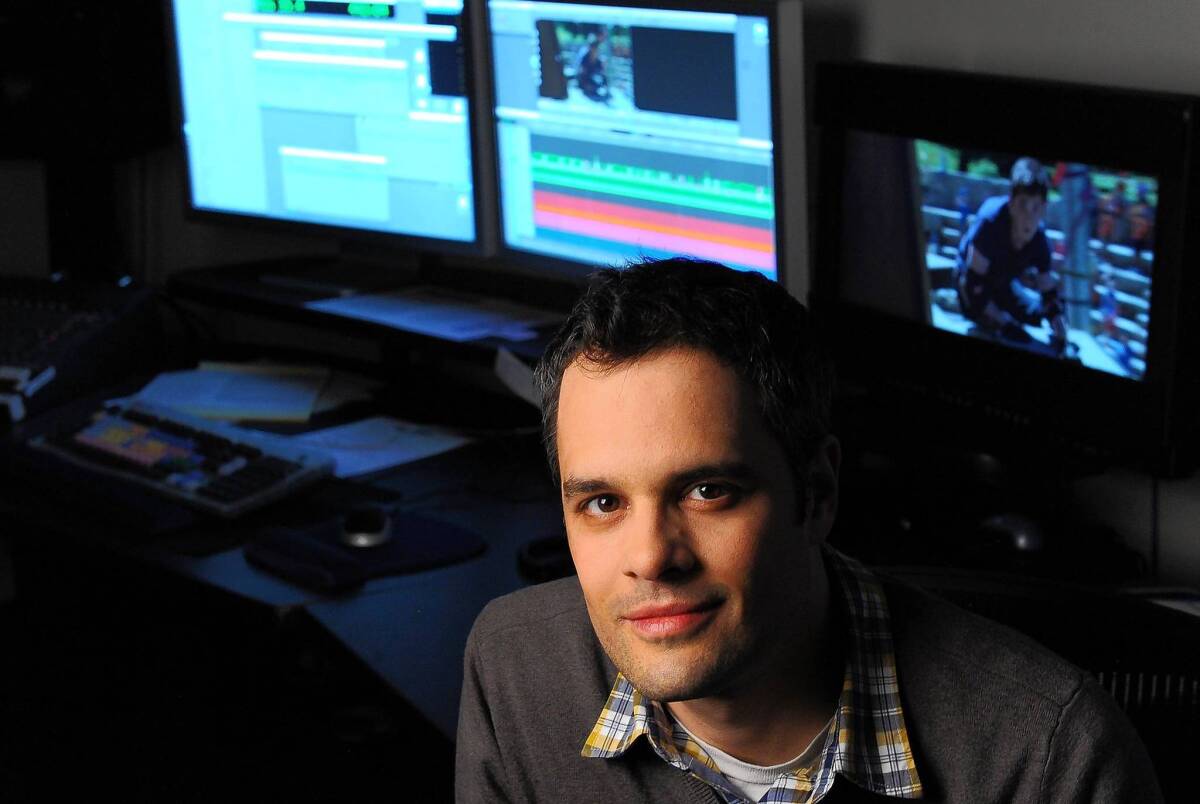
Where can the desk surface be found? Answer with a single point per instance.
(409, 629)
(412, 629)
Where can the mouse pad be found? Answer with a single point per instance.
(316, 558)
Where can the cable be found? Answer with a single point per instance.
(200, 330)
(143, 218)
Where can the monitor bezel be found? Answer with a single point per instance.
(787, 119)
(482, 169)
(1149, 133)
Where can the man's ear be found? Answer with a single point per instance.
(823, 487)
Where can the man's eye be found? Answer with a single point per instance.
(603, 504)
(709, 491)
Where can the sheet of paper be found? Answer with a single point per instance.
(441, 314)
(251, 392)
(379, 442)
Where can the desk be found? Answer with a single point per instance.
(411, 629)
(161, 661)
(408, 630)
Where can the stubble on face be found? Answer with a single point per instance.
(703, 664)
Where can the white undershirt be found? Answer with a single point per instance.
(752, 781)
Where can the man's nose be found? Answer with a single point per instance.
(658, 545)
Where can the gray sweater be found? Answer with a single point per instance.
(991, 715)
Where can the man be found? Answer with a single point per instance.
(713, 648)
(591, 69)
(1006, 241)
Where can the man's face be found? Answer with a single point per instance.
(1026, 210)
(683, 522)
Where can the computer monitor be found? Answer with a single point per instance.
(1054, 258)
(628, 130)
(1011, 255)
(335, 116)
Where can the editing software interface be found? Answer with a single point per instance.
(1037, 253)
(345, 114)
(634, 132)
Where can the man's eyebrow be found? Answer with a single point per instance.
(734, 470)
(574, 486)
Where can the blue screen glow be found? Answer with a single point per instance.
(345, 114)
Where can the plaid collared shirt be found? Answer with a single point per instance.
(867, 741)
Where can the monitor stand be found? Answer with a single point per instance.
(337, 275)
(295, 280)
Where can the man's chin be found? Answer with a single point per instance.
(670, 687)
(680, 674)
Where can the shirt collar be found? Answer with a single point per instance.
(867, 743)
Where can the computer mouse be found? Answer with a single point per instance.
(366, 526)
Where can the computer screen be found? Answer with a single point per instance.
(628, 131)
(339, 114)
(1005, 262)
(1029, 251)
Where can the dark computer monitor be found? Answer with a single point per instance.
(1005, 261)
(627, 130)
(350, 118)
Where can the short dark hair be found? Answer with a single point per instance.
(745, 320)
(1029, 177)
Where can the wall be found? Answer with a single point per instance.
(1145, 45)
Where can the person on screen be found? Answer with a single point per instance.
(714, 647)
(1005, 244)
(591, 70)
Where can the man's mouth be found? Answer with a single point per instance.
(660, 621)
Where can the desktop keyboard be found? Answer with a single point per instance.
(213, 466)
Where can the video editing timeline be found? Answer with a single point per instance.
(338, 113)
(634, 132)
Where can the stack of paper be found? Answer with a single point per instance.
(379, 443)
(265, 392)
